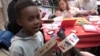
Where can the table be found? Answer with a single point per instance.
(87, 39)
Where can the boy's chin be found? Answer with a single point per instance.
(35, 31)
(32, 33)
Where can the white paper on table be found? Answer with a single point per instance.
(51, 26)
(94, 18)
(89, 28)
(55, 24)
(98, 22)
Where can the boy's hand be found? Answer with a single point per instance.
(86, 53)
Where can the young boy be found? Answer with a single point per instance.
(29, 38)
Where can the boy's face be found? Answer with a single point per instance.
(30, 20)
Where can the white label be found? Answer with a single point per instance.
(68, 42)
(73, 39)
(64, 45)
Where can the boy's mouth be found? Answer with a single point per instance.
(36, 28)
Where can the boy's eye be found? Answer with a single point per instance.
(38, 16)
(31, 18)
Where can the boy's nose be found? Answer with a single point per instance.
(36, 21)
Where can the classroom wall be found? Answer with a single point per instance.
(3, 12)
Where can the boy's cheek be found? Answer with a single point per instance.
(41, 21)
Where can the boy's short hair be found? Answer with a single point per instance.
(20, 5)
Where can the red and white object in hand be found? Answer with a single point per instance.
(69, 42)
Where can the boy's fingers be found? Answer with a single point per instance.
(86, 53)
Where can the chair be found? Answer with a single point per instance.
(5, 38)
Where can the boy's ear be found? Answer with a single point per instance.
(18, 22)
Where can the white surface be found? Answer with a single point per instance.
(50, 26)
(98, 2)
(89, 28)
(94, 18)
